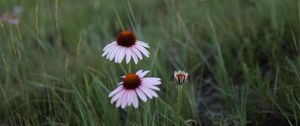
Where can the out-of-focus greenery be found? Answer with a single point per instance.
(52, 72)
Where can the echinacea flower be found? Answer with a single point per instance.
(134, 86)
(12, 19)
(180, 76)
(126, 45)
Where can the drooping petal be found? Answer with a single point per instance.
(125, 99)
(105, 53)
(142, 49)
(118, 54)
(119, 102)
(118, 89)
(145, 91)
(121, 55)
(151, 81)
(113, 53)
(130, 97)
(128, 55)
(135, 59)
(151, 92)
(150, 86)
(137, 52)
(117, 96)
(143, 44)
(141, 94)
(135, 100)
(110, 51)
(109, 45)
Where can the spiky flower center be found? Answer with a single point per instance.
(13, 17)
(180, 76)
(131, 81)
(126, 38)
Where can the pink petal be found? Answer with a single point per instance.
(118, 89)
(143, 44)
(109, 46)
(141, 94)
(110, 51)
(135, 100)
(135, 59)
(145, 91)
(105, 53)
(121, 55)
(130, 97)
(128, 55)
(113, 52)
(151, 92)
(125, 99)
(142, 49)
(137, 52)
(151, 81)
(118, 54)
(151, 87)
(117, 96)
(119, 102)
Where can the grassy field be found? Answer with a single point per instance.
(242, 57)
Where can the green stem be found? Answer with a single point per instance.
(137, 112)
(179, 98)
(129, 68)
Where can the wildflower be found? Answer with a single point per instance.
(180, 76)
(134, 86)
(127, 46)
(12, 19)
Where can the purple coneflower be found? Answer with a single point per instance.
(180, 76)
(126, 45)
(134, 86)
(12, 19)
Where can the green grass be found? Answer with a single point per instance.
(52, 72)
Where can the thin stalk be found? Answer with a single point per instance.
(179, 98)
(137, 112)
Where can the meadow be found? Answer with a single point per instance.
(242, 57)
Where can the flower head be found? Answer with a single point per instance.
(134, 86)
(12, 19)
(126, 46)
(180, 76)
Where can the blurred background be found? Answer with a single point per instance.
(242, 57)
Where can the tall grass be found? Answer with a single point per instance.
(52, 72)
